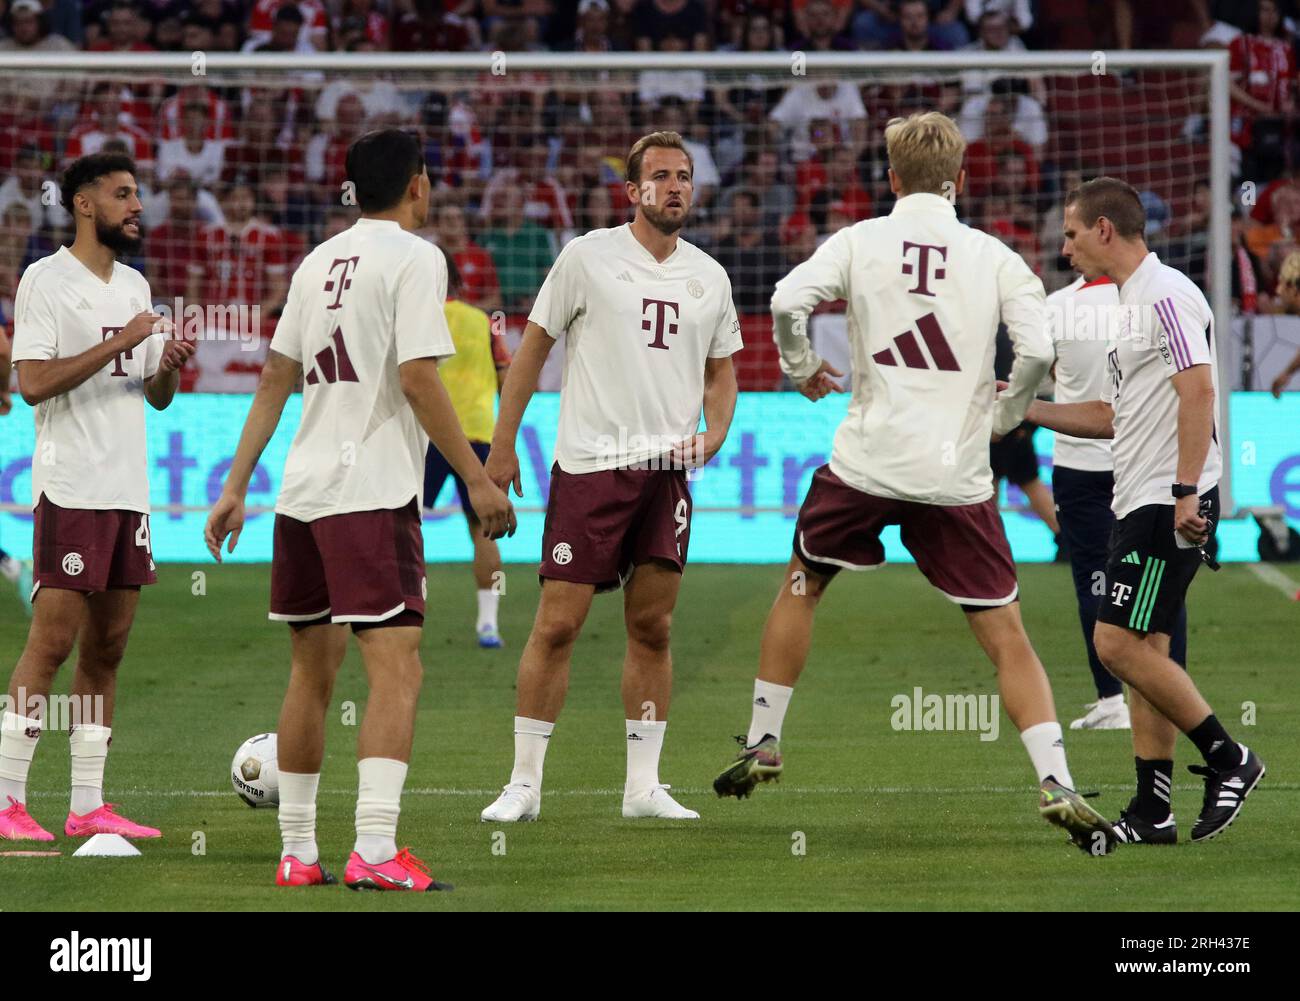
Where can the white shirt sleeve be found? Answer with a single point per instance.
(1179, 324)
(558, 303)
(1021, 293)
(726, 336)
(35, 331)
(156, 342)
(419, 312)
(824, 277)
(287, 339)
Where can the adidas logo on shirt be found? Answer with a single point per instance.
(84, 305)
(908, 349)
(625, 277)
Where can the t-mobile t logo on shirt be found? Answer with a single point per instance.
(658, 323)
(922, 267)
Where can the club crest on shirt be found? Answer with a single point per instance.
(695, 288)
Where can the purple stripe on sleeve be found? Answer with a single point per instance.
(1181, 336)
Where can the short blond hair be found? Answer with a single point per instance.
(925, 151)
(1290, 273)
(663, 140)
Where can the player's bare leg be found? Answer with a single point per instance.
(648, 602)
(1040, 499)
(1231, 769)
(541, 685)
(487, 579)
(1027, 695)
(57, 615)
(317, 653)
(787, 638)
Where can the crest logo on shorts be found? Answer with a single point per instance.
(695, 288)
(73, 564)
(562, 553)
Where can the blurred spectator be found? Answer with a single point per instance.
(199, 157)
(64, 17)
(655, 20)
(381, 101)
(289, 31)
(269, 26)
(425, 26)
(1248, 277)
(592, 34)
(175, 250)
(995, 36)
(224, 19)
(915, 32)
(824, 29)
(749, 254)
(1272, 242)
(838, 102)
(596, 210)
(876, 25)
(514, 33)
(264, 139)
(478, 275)
(106, 122)
(29, 30)
(125, 28)
(1028, 120)
(360, 20)
(754, 28)
(672, 117)
(1263, 93)
(1262, 211)
(288, 208)
(219, 125)
(776, 199)
(23, 123)
(687, 85)
(326, 153)
(521, 250)
(168, 30)
(999, 138)
(243, 260)
(799, 17)
(1019, 12)
(16, 228)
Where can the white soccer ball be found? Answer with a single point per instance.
(254, 772)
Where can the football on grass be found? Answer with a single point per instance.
(253, 773)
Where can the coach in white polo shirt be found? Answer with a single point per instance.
(1158, 405)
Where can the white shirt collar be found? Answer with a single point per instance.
(924, 202)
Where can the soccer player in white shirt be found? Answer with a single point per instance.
(89, 351)
(364, 320)
(1158, 405)
(649, 330)
(925, 295)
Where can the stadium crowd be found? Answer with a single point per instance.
(241, 176)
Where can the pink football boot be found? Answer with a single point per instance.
(16, 824)
(402, 872)
(105, 821)
(291, 872)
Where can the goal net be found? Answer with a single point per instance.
(241, 170)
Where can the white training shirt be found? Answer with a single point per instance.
(925, 294)
(90, 441)
(1170, 330)
(1081, 321)
(637, 335)
(360, 305)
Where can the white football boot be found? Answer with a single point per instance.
(1106, 714)
(517, 802)
(655, 802)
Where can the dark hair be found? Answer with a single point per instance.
(90, 169)
(1112, 198)
(380, 165)
(289, 12)
(453, 274)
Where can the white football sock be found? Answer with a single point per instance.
(88, 744)
(16, 751)
(1046, 749)
(379, 801)
(531, 739)
(487, 608)
(770, 703)
(298, 816)
(645, 739)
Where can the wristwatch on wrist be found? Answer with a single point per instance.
(1183, 489)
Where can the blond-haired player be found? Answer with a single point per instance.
(925, 295)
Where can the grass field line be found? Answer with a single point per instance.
(684, 790)
(1275, 578)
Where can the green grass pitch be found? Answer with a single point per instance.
(887, 820)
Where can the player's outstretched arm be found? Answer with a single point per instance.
(423, 389)
(41, 379)
(280, 377)
(160, 388)
(521, 382)
(1093, 419)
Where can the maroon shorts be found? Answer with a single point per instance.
(600, 525)
(961, 549)
(82, 550)
(361, 567)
